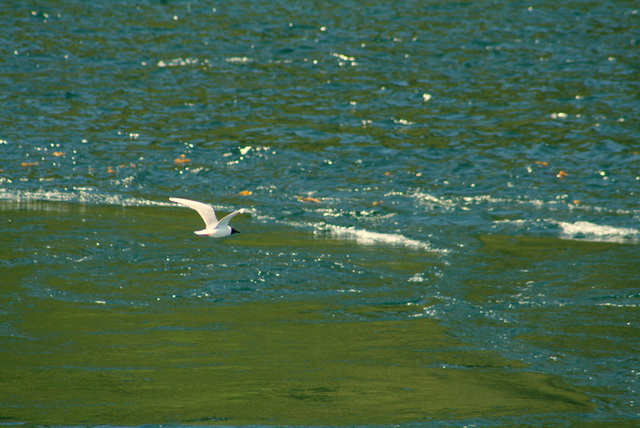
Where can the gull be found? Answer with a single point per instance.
(214, 228)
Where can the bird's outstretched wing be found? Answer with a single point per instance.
(206, 211)
(226, 219)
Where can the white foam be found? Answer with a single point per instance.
(82, 195)
(239, 60)
(366, 237)
(180, 62)
(428, 199)
(587, 231)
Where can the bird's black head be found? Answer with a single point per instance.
(234, 231)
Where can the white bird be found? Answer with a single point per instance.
(214, 228)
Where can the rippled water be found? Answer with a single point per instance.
(442, 220)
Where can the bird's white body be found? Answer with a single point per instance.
(214, 228)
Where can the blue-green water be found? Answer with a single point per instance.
(442, 225)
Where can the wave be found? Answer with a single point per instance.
(366, 237)
(86, 195)
(83, 195)
(578, 230)
(587, 231)
(90, 195)
(558, 203)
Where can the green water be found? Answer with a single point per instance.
(259, 364)
(104, 342)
